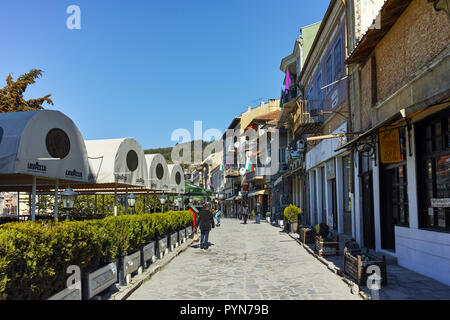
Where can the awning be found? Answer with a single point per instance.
(231, 198)
(158, 172)
(193, 190)
(176, 179)
(371, 131)
(259, 192)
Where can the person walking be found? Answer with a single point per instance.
(245, 213)
(205, 223)
(218, 214)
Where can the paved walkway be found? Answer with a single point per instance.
(245, 262)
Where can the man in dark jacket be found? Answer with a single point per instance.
(205, 223)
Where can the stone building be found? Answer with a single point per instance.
(400, 98)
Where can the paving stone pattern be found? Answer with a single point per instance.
(245, 262)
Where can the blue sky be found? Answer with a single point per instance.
(142, 69)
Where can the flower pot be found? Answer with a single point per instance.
(281, 223)
(268, 219)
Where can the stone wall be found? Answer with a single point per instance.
(416, 38)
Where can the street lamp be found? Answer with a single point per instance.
(68, 199)
(163, 199)
(179, 201)
(131, 201)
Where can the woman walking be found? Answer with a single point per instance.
(205, 223)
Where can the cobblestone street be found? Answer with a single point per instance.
(245, 262)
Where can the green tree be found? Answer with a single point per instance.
(11, 96)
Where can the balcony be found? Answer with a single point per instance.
(231, 171)
(308, 118)
(291, 95)
(257, 174)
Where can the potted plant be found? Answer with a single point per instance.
(325, 245)
(268, 217)
(291, 214)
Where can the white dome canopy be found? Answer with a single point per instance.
(158, 173)
(176, 184)
(119, 161)
(43, 143)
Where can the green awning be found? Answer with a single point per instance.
(231, 199)
(193, 190)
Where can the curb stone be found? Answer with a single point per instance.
(336, 270)
(125, 292)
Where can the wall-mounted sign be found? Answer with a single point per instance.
(334, 98)
(331, 171)
(390, 145)
(440, 203)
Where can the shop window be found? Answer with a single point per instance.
(432, 140)
(346, 183)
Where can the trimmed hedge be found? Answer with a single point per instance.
(34, 256)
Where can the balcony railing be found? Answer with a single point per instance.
(231, 171)
(257, 173)
(290, 95)
(308, 116)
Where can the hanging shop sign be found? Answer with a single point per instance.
(390, 145)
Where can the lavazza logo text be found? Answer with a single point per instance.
(74, 173)
(36, 167)
(120, 177)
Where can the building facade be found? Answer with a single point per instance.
(400, 104)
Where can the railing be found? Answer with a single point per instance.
(231, 171)
(308, 112)
(290, 95)
(258, 172)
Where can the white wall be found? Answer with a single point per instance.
(425, 252)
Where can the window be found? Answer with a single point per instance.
(432, 140)
(319, 91)
(57, 143)
(338, 60)
(329, 70)
(309, 98)
(346, 183)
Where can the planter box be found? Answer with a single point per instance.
(131, 263)
(162, 246)
(173, 241)
(149, 252)
(326, 247)
(67, 294)
(190, 231)
(181, 236)
(356, 269)
(99, 280)
(307, 235)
